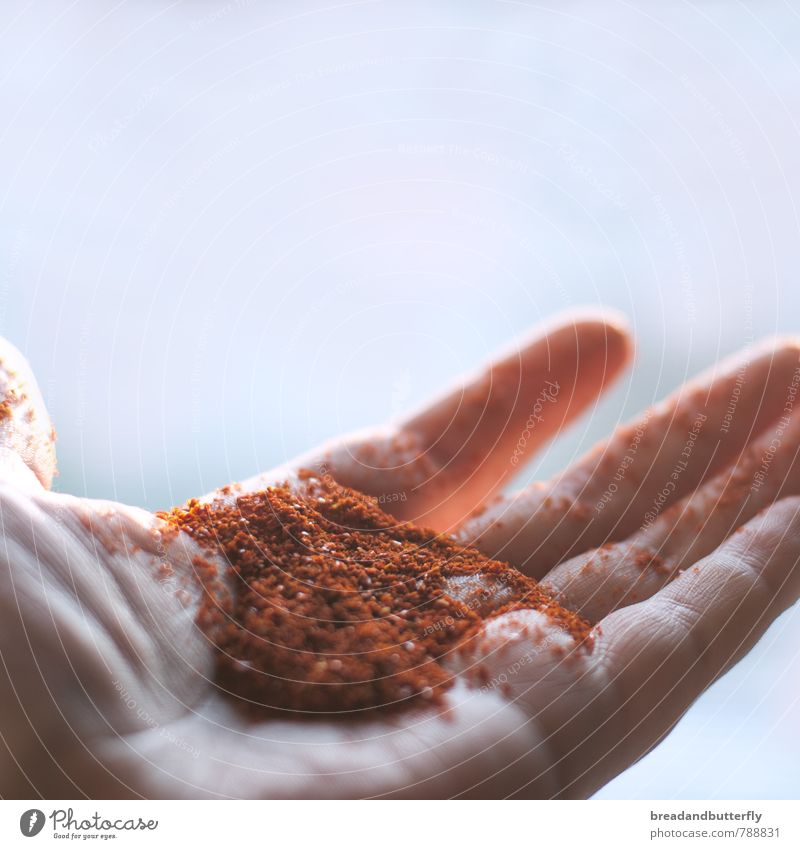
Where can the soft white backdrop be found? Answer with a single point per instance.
(229, 230)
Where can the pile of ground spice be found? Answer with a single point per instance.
(330, 605)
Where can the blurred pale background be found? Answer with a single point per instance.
(231, 230)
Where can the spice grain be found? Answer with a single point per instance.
(330, 605)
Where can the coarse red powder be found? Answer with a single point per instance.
(330, 605)
(9, 402)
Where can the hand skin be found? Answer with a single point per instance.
(679, 537)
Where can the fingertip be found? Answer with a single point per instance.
(780, 346)
(610, 329)
(784, 352)
(600, 315)
(595, 329)
(781, 341)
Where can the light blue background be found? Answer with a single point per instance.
(231, 230)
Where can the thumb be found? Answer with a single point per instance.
(27, 438)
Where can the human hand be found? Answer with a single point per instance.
(107, 690)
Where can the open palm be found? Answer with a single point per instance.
(679, 537)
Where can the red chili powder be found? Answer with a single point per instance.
(9, 402)
(333, 606)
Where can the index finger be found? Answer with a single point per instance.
(437, 465)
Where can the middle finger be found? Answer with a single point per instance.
(613, 576)
(644, 467)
